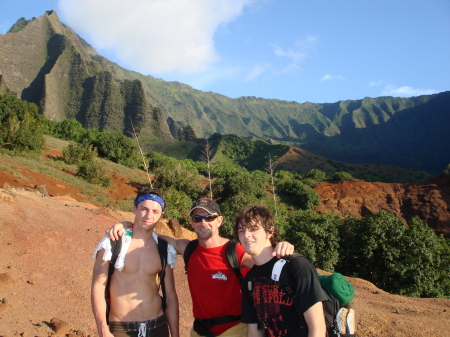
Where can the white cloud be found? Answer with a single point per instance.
(406, 91)
(291, 68)
(329, 77)
(256, 72)
(154, 36)
(375, 83)
(300, 50)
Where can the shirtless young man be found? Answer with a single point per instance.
(215, 289)
(136, 306)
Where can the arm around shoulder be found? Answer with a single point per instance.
(178, 244)
(116, 231)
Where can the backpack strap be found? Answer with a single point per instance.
(162, 250)
(230, 251)
(116, 246)
(277, 268)
(188, 252)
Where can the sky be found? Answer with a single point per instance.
(319, 51)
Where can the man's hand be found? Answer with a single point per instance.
(104, 332)
(117, 230)
(282, 249)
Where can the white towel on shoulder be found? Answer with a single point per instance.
(105, 244)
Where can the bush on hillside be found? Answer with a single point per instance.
(297, 194)
(118, 148)
(314, 177)
(76, 153)
(408, 261)
(95, 173)
(179, 178)
(252, 183)
(446, 172)
(68, 129)
(178, 206)
(21, 124)
(342, 176)
(231, 207)
(316, 236)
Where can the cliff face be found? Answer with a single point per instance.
(45, 62)
(430, 201)
(48, 64)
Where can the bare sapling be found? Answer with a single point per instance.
(142, 154)
(271, 169)
(206, 157)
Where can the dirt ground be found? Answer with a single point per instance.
(46, 244)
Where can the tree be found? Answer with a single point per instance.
(21, 125)
(299, 194)
(375, 248)
(206, 157)
(342, 176)
(408, 261)
(316, 236)
(118, 148)
(76, 153)
(424, 263)
(271, 171)
(70, 129)
(446, 172)
(188, 133)
(94, 173)
(178, 205)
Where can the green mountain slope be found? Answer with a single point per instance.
(48, 64)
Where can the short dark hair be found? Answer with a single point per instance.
(254, 216)
(147, 190)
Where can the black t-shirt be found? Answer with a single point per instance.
(268, 301)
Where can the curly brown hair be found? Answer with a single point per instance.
(253, 217)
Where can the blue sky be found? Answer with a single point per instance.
(320, 51)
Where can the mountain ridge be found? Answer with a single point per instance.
(67, 78)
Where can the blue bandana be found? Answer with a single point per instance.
(149, 197)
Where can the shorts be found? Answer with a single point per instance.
(157, 327)
(239, 330)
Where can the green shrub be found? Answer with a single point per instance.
(315, 176)
(178, 206)
(21, 124)
(342, 176)
(446, 172)
(70, 129)
(118, 148)
(180, 179)
(316, 236)
(408, 261)
(95, 173)
(76, 153)
(298, 194)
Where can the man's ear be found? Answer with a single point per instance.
(220, 218)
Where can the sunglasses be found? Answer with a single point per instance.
(207, 218)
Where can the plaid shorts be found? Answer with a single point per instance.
(157, 327)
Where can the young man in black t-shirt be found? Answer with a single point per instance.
(266, 307)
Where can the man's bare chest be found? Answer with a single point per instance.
(142, 259)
